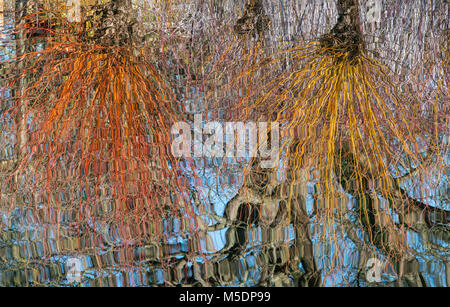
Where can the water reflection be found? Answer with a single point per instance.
(238, 247)
(246, 237)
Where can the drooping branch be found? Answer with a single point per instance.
(411, 211)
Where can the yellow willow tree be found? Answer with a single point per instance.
(347, 122)
(99, 117)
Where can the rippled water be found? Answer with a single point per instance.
(35, 253)
(249, 251)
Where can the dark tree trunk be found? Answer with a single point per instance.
(346, 35)
(254, 21)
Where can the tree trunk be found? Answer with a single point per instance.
(346, 35)
(21, 46)
(2, 10)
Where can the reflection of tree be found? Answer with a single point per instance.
(254, 20)
(308, 101)
(269, 236)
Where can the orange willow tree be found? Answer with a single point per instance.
(100, 115)
(346, 120)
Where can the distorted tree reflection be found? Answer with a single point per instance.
(265, 228)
